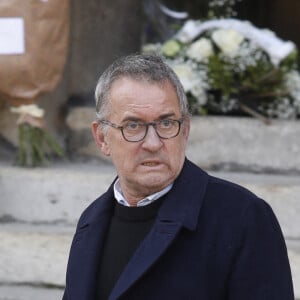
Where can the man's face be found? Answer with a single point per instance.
(150, 165)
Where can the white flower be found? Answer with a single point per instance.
(199, 92)
(30, 109)
(185, 74)
(239, 49)
(170, 48)
(200, 50)
(228, 40)
(191, 81)
(292, 84)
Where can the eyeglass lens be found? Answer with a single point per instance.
(165, 129)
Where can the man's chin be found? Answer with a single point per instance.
(154, 183)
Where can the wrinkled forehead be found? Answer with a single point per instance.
(143, 81)
(130, 93)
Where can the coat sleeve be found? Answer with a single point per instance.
(261, 269)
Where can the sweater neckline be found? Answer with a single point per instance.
(137, 214)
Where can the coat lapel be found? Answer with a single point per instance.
(152, 248)
(180, 209)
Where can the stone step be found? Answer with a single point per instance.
(40, 207)
(33, 261)
(56, 194)
(34, 254)
(29, 292)
(245, 144)
(59, 193)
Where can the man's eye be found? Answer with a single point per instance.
(132, 126)
(166, 123)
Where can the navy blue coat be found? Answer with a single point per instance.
(212, 240)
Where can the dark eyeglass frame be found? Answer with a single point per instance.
(154, 124)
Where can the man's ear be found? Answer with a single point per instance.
(100, 138)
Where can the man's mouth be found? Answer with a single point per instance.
(150, 164)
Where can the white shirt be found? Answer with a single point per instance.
(149, 199)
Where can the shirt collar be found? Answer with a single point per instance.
(149, 199)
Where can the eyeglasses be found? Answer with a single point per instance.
(137, 131)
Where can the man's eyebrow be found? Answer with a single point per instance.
(166, 116)
(136, 119)
(131, 118)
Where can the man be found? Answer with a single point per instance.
(165, 229)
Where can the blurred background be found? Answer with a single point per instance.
(66, 46)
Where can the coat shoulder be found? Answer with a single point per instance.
(219, 189)
(99, 206)
(235, 201)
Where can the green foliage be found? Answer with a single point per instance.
(221, 76)
(291, 61)
(260, 80)
(33, 143)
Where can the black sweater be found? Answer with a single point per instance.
(127, 229)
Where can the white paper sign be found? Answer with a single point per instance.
(12, 36)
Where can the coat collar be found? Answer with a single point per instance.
(180, 208)
(184, 201)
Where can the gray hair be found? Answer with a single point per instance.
(141, 67)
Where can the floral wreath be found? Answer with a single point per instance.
(229, 65)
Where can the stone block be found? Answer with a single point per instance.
(57, 194)
(25, 292)
(245, 144)
(80, 141)
(33, 256)
(80, 118)
(60, 193)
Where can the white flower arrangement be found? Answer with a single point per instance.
(34, 139)
(229, 65)
(227, 40)
(200, 50)
(30, 109)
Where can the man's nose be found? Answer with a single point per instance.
(152, 141)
